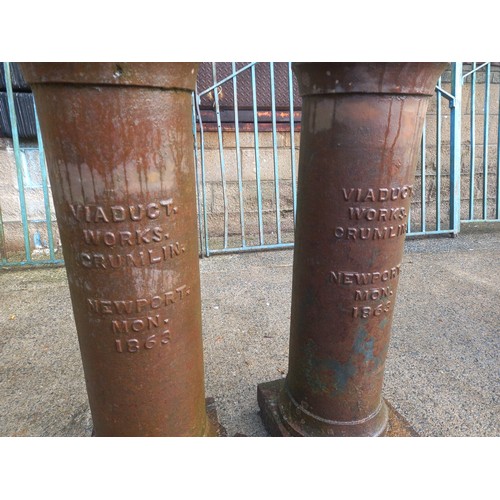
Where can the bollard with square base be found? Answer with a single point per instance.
(119, 145)
(360, 135)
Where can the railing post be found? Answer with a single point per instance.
(455, 145)
(17, 156)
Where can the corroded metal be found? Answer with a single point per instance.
(361, 130)
(119, 145)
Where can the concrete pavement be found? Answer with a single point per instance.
(442, 371)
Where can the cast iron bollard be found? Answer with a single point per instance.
(360, 136)
(119, 146)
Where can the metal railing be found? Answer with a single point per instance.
(489, 168)
(437, 208)
(37, 253)
(240, 243)
(246, 162)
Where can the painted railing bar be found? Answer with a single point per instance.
(448, 96)
(257, 162)
(438, 159)
(408, 224)
(275, 153)
(422, 179)
(17, 156)
(46, 201)
(478, 220)
(498, 161)
(472, 168)
(485, 141)
(32, 263)
(430, 233)
(224, 80)
(203, 179)
(455, 146)
(238, 154)
(221, 157)
(474, 69)
(196, 175)
(3, 251)
(281, 246)
(292, 142)
(284, 246)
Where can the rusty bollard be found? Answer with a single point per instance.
(360, 136)
(119, 147)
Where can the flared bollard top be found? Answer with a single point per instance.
(367, 78)
(181, 76)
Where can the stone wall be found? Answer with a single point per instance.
(214, 188)
(11, 213)
(12, 239)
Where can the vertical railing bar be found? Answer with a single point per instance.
(275, 154)
(43, 169)
(3, 252)
(221, 155)
(455, 146)
(292, 142)
(203, 179)
(257, 162)
(472, 170)
(196, 175)
(485, 140)
(438, 158)
(498, 160)
(422, 179)
(408, 226)
(238, 153)
(17, 156)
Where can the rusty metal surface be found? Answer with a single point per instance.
(269, 396)
(120, 158)
(361, 128)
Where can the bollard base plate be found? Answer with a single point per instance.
(268, 394)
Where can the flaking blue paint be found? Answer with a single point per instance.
(363, 345)
(329, 375)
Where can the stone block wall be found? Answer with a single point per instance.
(214, 188)
(216, 191)
(12, 236)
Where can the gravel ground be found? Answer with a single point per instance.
(442, 371)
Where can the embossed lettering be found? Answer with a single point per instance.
(123, 238)
(350, 277)
(133, 259)
(370, 233)
(135, 345)
(373, 293)
(367, 311)
(380, 214)
(135, 324)
(140, 305)
(377, 194)
(119, 213)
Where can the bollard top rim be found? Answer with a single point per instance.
(409, 78)
(162, 75)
